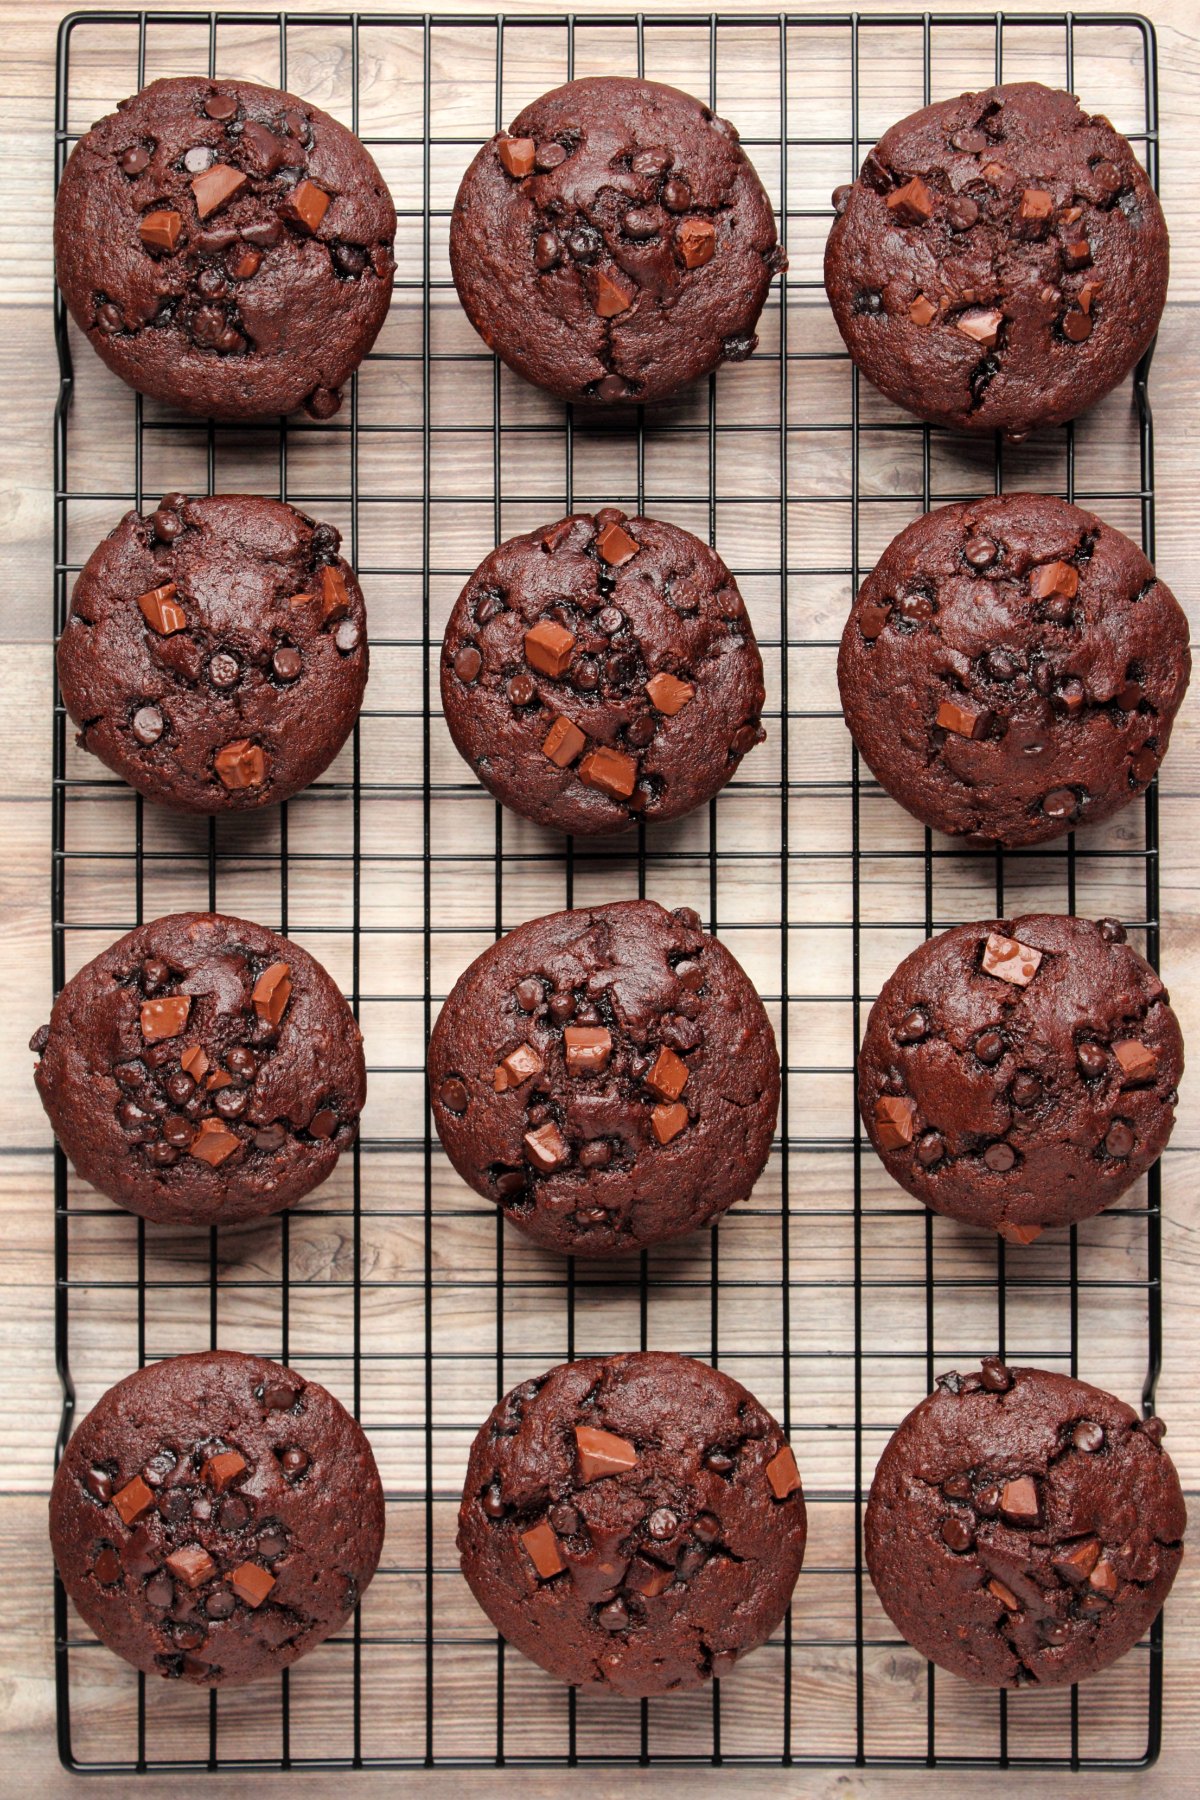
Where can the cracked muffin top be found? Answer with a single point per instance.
(1023, 1528)
(216, 1516)
(1012, 668)
(1000, 262)
(602, 670)
(202, 1070)
(215, 653)
(607, 1076)
(226, 248)
(1021, 1073)
(634, 1524)
(615, 243)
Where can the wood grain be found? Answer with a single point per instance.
(534, 1317)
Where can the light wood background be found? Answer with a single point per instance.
(535, 1323)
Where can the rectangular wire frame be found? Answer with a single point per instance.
(830, 1294)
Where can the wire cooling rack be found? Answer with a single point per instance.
(830, 1294)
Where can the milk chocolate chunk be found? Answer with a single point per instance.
(223, 1468)
(668, 1075)
(615, 546)
(1009, 960)
(164, 1018)
(215, 186)
(697, 242)
(520, 1065)
(160, 230)
(782, 1473)
(548, 647)
(307, 205)
(1138, 1061)
(335, 596)
(964, 721)
(517, 154)
(668, 694)
(912, 203)
(610, 770)
(922, 310)
(132, 1500)
(546, 1148)
(981, 324)
(192, 1565)
(563, 743)
(161, 611)
(1019, 1501)
(611, 298)
(667, 1121)
(588, 1049)
(600, 1453)
(272, 991)
(251, 1583)
(1057, 578)
(241, 764)
(894, 1121)
(541, 1547)
(213, 1143)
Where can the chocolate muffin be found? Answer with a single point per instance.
(215, 1517)
(215, 654)
(1023, 1529)
(608, 1076)
(1001, 261)
(634, 1524)
(602, 670)
(1021, 1073)
(227, 248)
(202, 1070)
(1012, 669)
(615, 243)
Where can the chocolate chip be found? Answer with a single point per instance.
(159, 1591)
(323, 1123)
(272, 1540)
(1092, 1059)
(957, 1534)
(565, 1520)
(109, 318)
(987, 1500)
(676, 195)
(930, 1149)
(612, 387)
(970, 142)
(269, 1137)
(546, 251)
(224, 669)
(995, 1376)
(220, 1604)
(294, 1461)
(707, 1527)
(1061, 803)
(912, 1027)
(1000, 1158)
(521, 690)
(468, 663)
(961, 212)
(235, 1512)
(1120, 1139)
(614, 1616)
(134, 160)
(596, 1154)
(1088, 1436)
(1026, 1089)
(662, 1523)
(989, 1047)
(148, 725)
(1000, 665)
(980, 552)
(640, 222)
(1112, 931)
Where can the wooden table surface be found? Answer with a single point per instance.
(30, 1399)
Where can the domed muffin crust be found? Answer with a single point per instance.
(634, 1524)
(1021, 1073)
(615, 243)
(1023, 1528)
(608, 1076)
(215, 654)
(202, 1070)
(226, 248)
(600, 671)
(1001, 261)
(216, 1516)
(1012, 668)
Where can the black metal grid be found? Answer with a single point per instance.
(112, 864)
